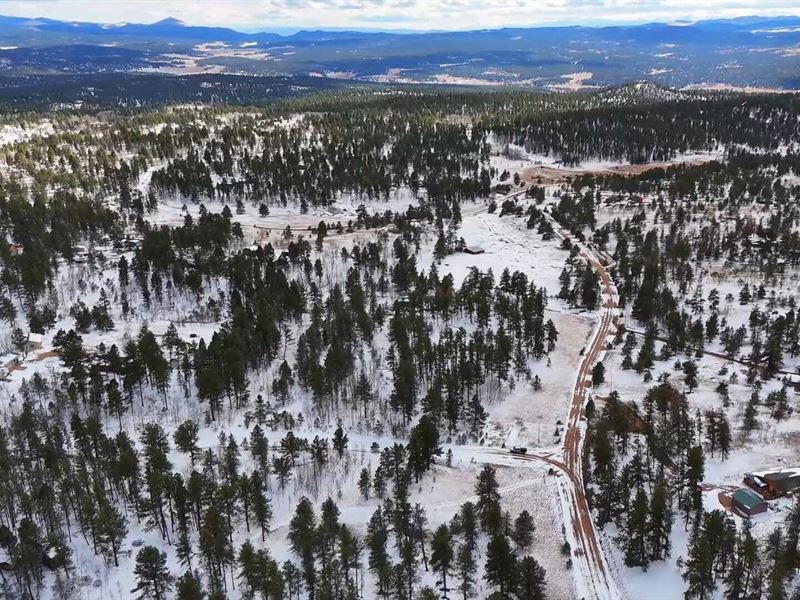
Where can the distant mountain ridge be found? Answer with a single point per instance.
(37, 29)
(748, 51)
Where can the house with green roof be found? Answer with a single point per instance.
(747, 503)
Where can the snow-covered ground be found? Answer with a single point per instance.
(11, 134)
(519, 416)
(771, 446)
(516, 159)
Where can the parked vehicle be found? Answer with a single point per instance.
(518, 450)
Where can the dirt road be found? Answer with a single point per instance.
(553, 175)
(593, 578)
(587, 550)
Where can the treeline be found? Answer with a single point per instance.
(651, 133)
(313, 161)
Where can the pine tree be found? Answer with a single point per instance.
(598, 374)
(723, 435)
(694, 472)
(427, 593)
(293, 578)
(363, 392)
(659, 524)
(690, 374)
(259, 450)
(488, 505)
(325, 542)
(26, 554)
(378, 556)
(743, 580)
(302, 537)
(442, 554)
(186, 438)
(409, 563)
(522, 533)
(19, 340)
(364, 483)
(157, 474)
(249, 570)
(215, 546)
(8, 311)
(418, 531)
(635, 544)
(777, 566)
(466, 567)
(262, 507)
(465, 524)
(153, 580)
(750, 421)
(709, 548)
(501, 564)
(349, 554)
(189, 587)
(529, 580)
(647, 353)
(423, 446)
(112, 528)
(340, 441)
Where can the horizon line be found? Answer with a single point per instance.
(292, 30)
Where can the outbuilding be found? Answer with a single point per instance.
(35, 341)
(747, 503)
(474, 250)
(9, 361)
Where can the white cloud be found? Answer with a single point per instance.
(254, 15)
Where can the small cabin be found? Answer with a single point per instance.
(7, 364)
(747, 503)
(34, 343)
(9, 360)
(474, 250)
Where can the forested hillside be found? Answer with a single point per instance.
(282, 351)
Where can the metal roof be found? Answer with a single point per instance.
(781, 475)
(8, 357)
(747, 498)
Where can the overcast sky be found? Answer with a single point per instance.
(265, 15)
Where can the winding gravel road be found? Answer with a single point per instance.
(593, 577)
